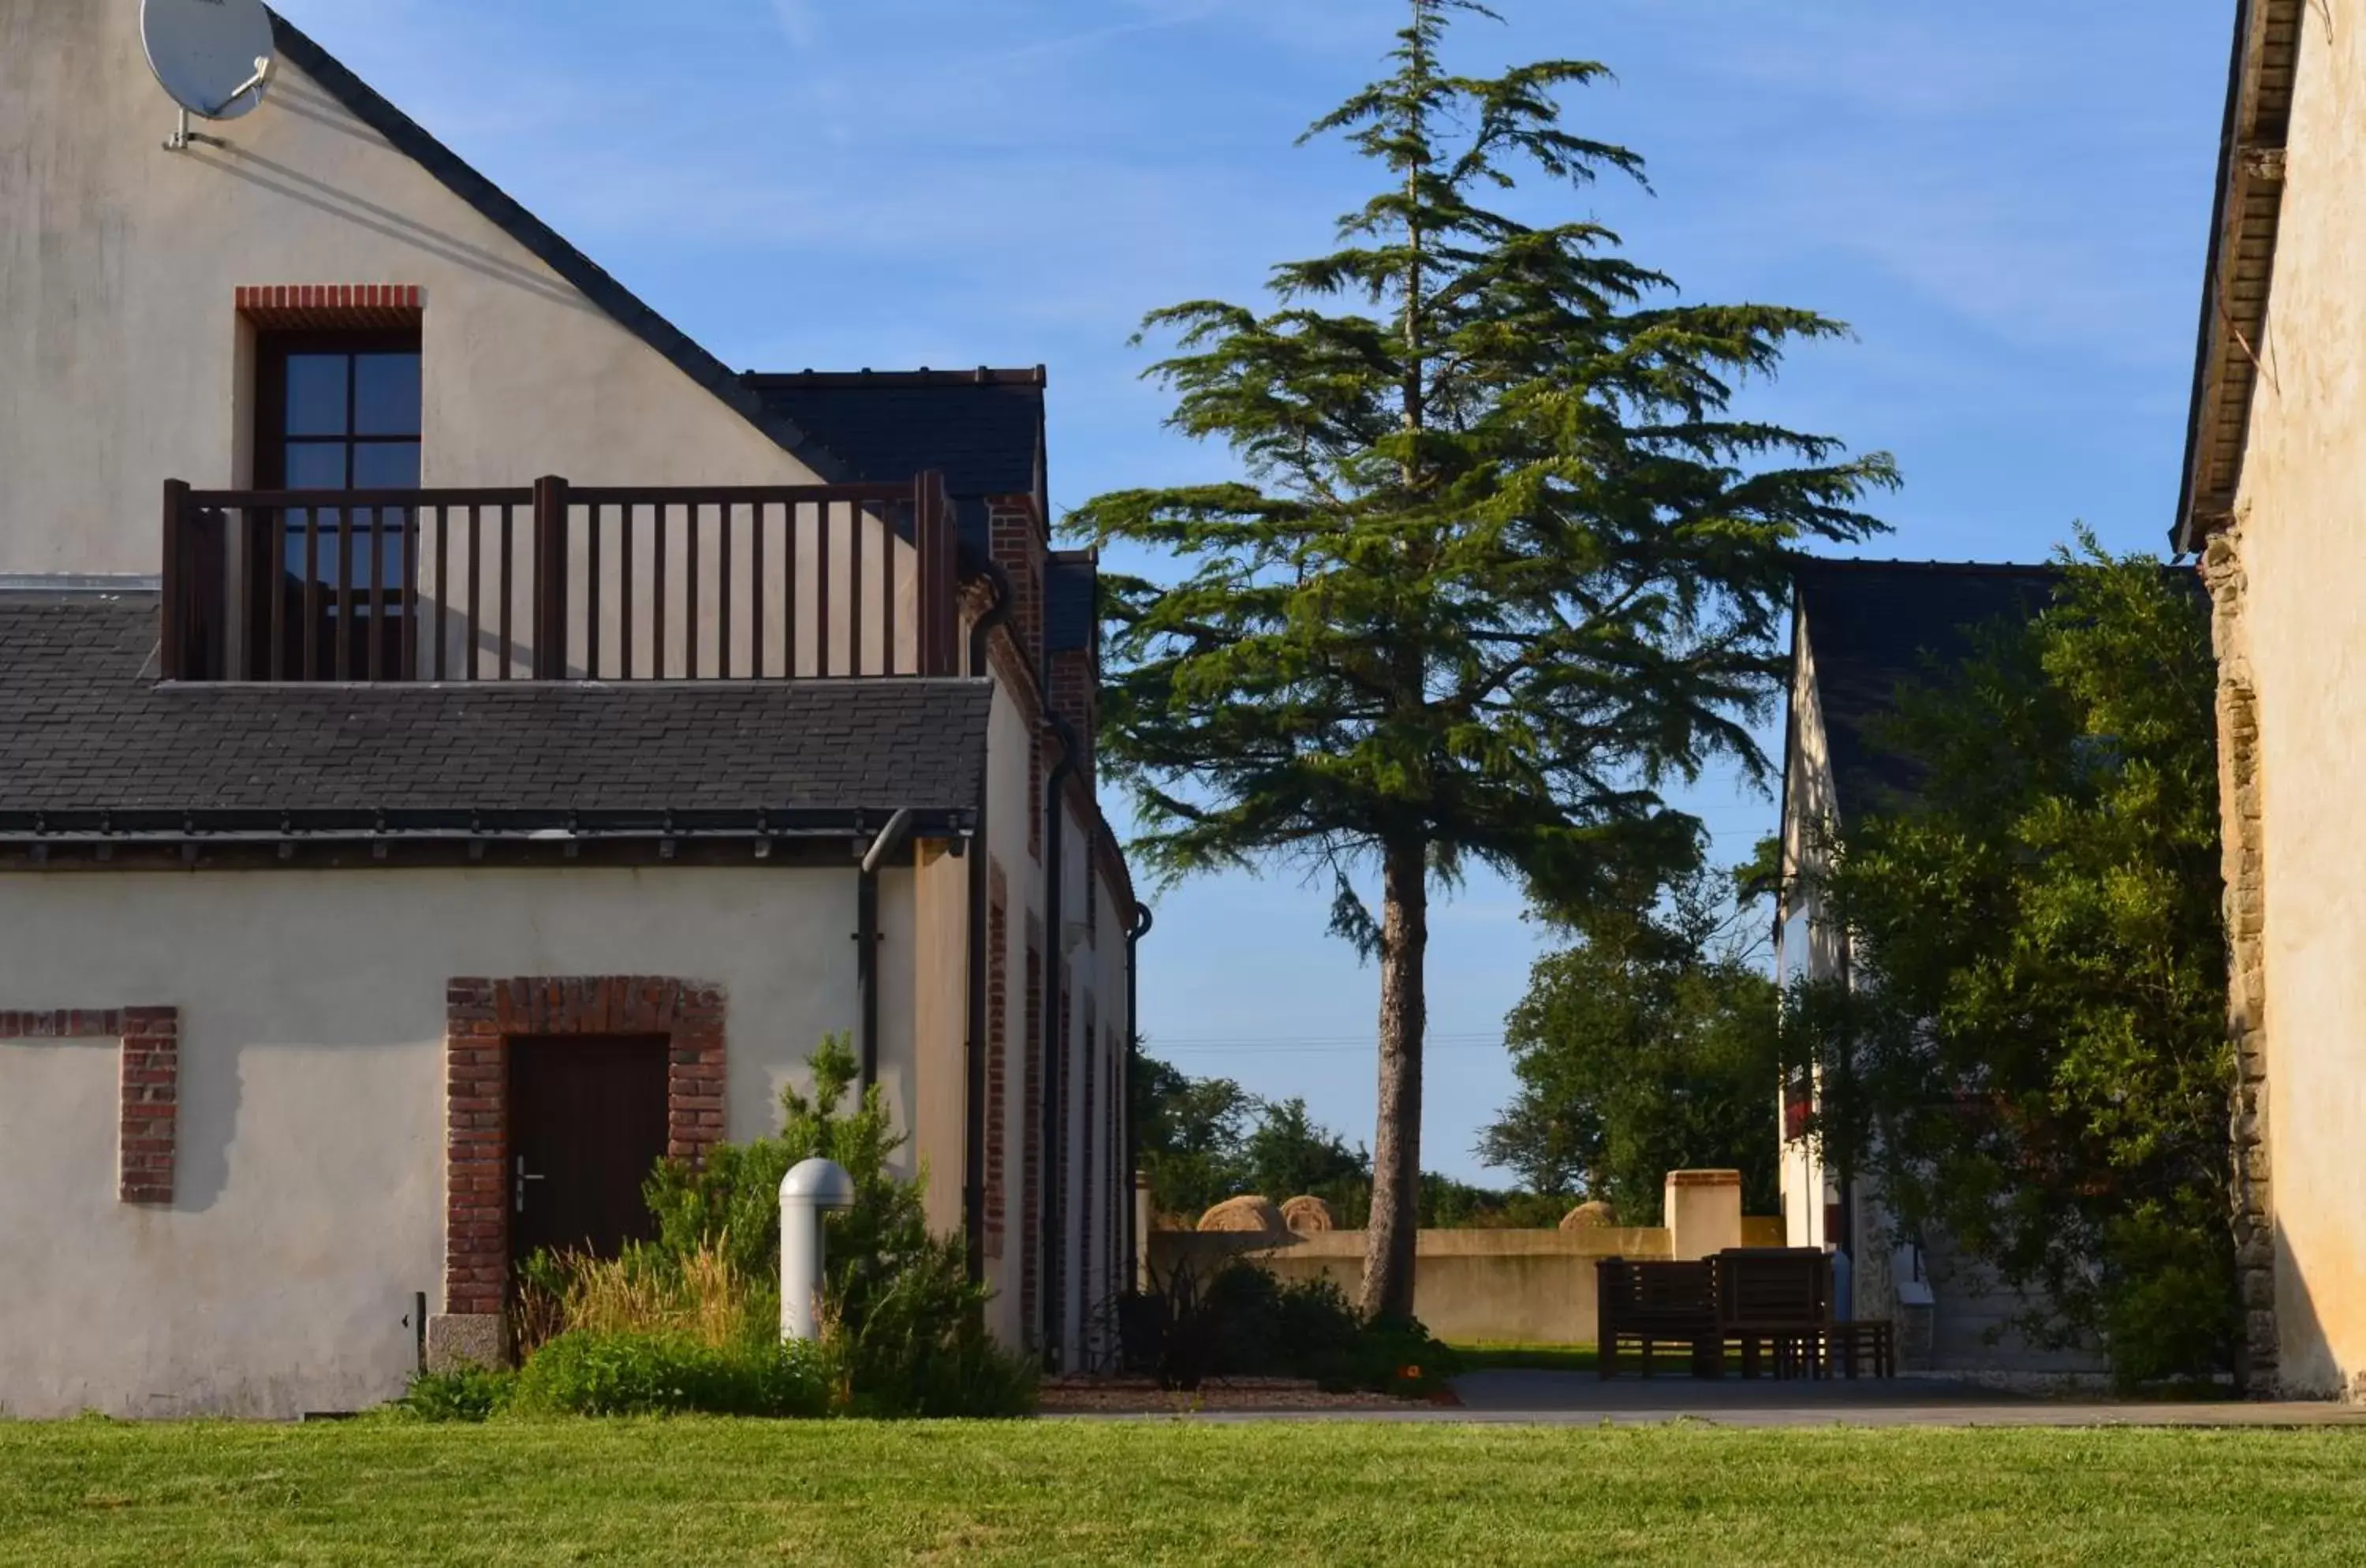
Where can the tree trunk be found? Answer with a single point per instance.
(1396, 1157)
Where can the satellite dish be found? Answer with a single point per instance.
(213, 57)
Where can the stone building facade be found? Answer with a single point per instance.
(2275, 505)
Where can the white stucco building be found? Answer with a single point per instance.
(444, 715)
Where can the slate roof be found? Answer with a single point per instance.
(1873, 627)
(85, 729)
(982, 429)
(1071, 602)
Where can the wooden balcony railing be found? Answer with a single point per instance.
(559, 582)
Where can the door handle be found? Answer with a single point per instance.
(524, 1176)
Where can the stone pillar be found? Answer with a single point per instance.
(2244, 871)
(1704, 1213)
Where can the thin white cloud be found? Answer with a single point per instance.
(800, 20)
(1069, 43)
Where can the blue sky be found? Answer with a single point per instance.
(2007, 201)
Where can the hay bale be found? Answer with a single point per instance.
(1595, 1215)
(1244, 1216)
(1307, 1215)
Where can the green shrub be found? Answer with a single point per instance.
(647, 1290)
(1239, 1320)
(921, 1348)
(904, 1332)
(1389, 1357)
(465, 1393)
(586, 1373)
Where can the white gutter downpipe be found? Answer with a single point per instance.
(807, 1189)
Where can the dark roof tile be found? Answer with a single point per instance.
(84, 728)
(1873, 627)
(1071, 602)
(983, 429)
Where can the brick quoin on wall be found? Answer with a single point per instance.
(481, 1018)
(1088, 1107)
(148, 1127)
(998, 1056)
(1064, 1110)
(1031, 1145)
(1017, 544)
(1073, 696)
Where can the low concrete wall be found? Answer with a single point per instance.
(1522, 1287)
(1531, 1287)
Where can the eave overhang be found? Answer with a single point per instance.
(2241, 270)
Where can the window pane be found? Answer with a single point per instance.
(324, 522)
(386, 394)
(389, 465)
(316, 466)
(316, 394)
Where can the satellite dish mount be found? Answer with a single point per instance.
(214, 57)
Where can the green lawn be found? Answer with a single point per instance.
(707, 1492)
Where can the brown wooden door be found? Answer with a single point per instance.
(587, 1123)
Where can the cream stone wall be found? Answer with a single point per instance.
(309, 1190)
(1474, 1286)
(2299, 547)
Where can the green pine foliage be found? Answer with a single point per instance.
(2035, 1058)
(1504, 563)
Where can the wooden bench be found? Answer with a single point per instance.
(1780, 1300)
(1647, 1303)
(1853, 1345)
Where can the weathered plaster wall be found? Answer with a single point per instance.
(2300, 549)
(1809, 945)
(309, 1204)
(119, 262)
(936, 977)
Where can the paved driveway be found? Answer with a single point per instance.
(1568, 1397)
(1581, 1399)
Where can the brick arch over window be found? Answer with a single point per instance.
(481, 1018)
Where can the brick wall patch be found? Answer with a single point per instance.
(149, 1053)
(480, 1018)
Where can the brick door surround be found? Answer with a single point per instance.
(481, 1016)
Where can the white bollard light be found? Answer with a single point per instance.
(806, 1192)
